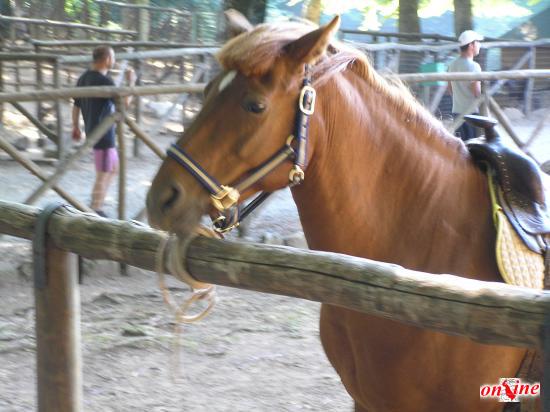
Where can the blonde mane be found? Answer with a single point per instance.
(253, 53)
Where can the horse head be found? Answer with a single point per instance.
(248, 118)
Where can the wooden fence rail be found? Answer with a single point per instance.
(54, 23)
(487, 312)
(99, 91)
(93, 43)
(497, 75)
(145, 7)
(65, 93)
(149, 54)
(441, 47)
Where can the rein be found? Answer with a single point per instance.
(225, 198)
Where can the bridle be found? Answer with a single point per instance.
(225, 198)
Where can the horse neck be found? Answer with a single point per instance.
(380, 185)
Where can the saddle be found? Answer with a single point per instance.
(522, 221)
(521, 191)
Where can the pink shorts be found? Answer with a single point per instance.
(106, 160)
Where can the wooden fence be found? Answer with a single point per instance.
(12, 21)
(58, 63)
(122, 118)
(422, 78)
(486, 312)
(444, 303)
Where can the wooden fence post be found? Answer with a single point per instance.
(138, 67)
(58, 356)
(121, 109)
(504, 121)
(39, 84)
(17, 74)
(61, 143)
(530, 83)
(122, 159)
(1, 84)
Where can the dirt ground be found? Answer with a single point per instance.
(254, 352)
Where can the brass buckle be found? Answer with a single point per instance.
(303, 92)
(225, 229)
(226, 198)
(296, 175)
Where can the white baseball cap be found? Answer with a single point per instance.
(469, 36)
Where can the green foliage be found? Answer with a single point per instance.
(205, 15)
(74, 10)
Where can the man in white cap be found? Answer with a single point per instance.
(465, 92)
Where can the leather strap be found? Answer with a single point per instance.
(39, 245)
(225, 198)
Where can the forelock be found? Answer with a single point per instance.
(253, 53)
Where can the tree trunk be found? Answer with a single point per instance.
(59, 10)
(409, 23)
(7, 10)
(104, 15)
(86, 18)
(463, 16)
(254, 10)
(408, 16)
(313, 10)
(143, 22)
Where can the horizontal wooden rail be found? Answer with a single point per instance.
(499, 75)
(55, 23)
(91, 43)
(440, 47)
(99, 91)
(65, 93)
(142, 7)
(487, 312)
(150, 54)
(412, 36)
(6, 57)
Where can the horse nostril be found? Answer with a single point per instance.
(171, 197)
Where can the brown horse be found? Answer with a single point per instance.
(384, 180)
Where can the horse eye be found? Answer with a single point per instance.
(254, 107)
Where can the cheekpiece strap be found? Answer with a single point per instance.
(306, 107)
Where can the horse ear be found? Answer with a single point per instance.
(237, 23)
(308, 48)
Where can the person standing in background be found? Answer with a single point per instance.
(94, 110)
(465, 92)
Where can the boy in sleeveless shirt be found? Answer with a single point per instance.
(94, 110)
